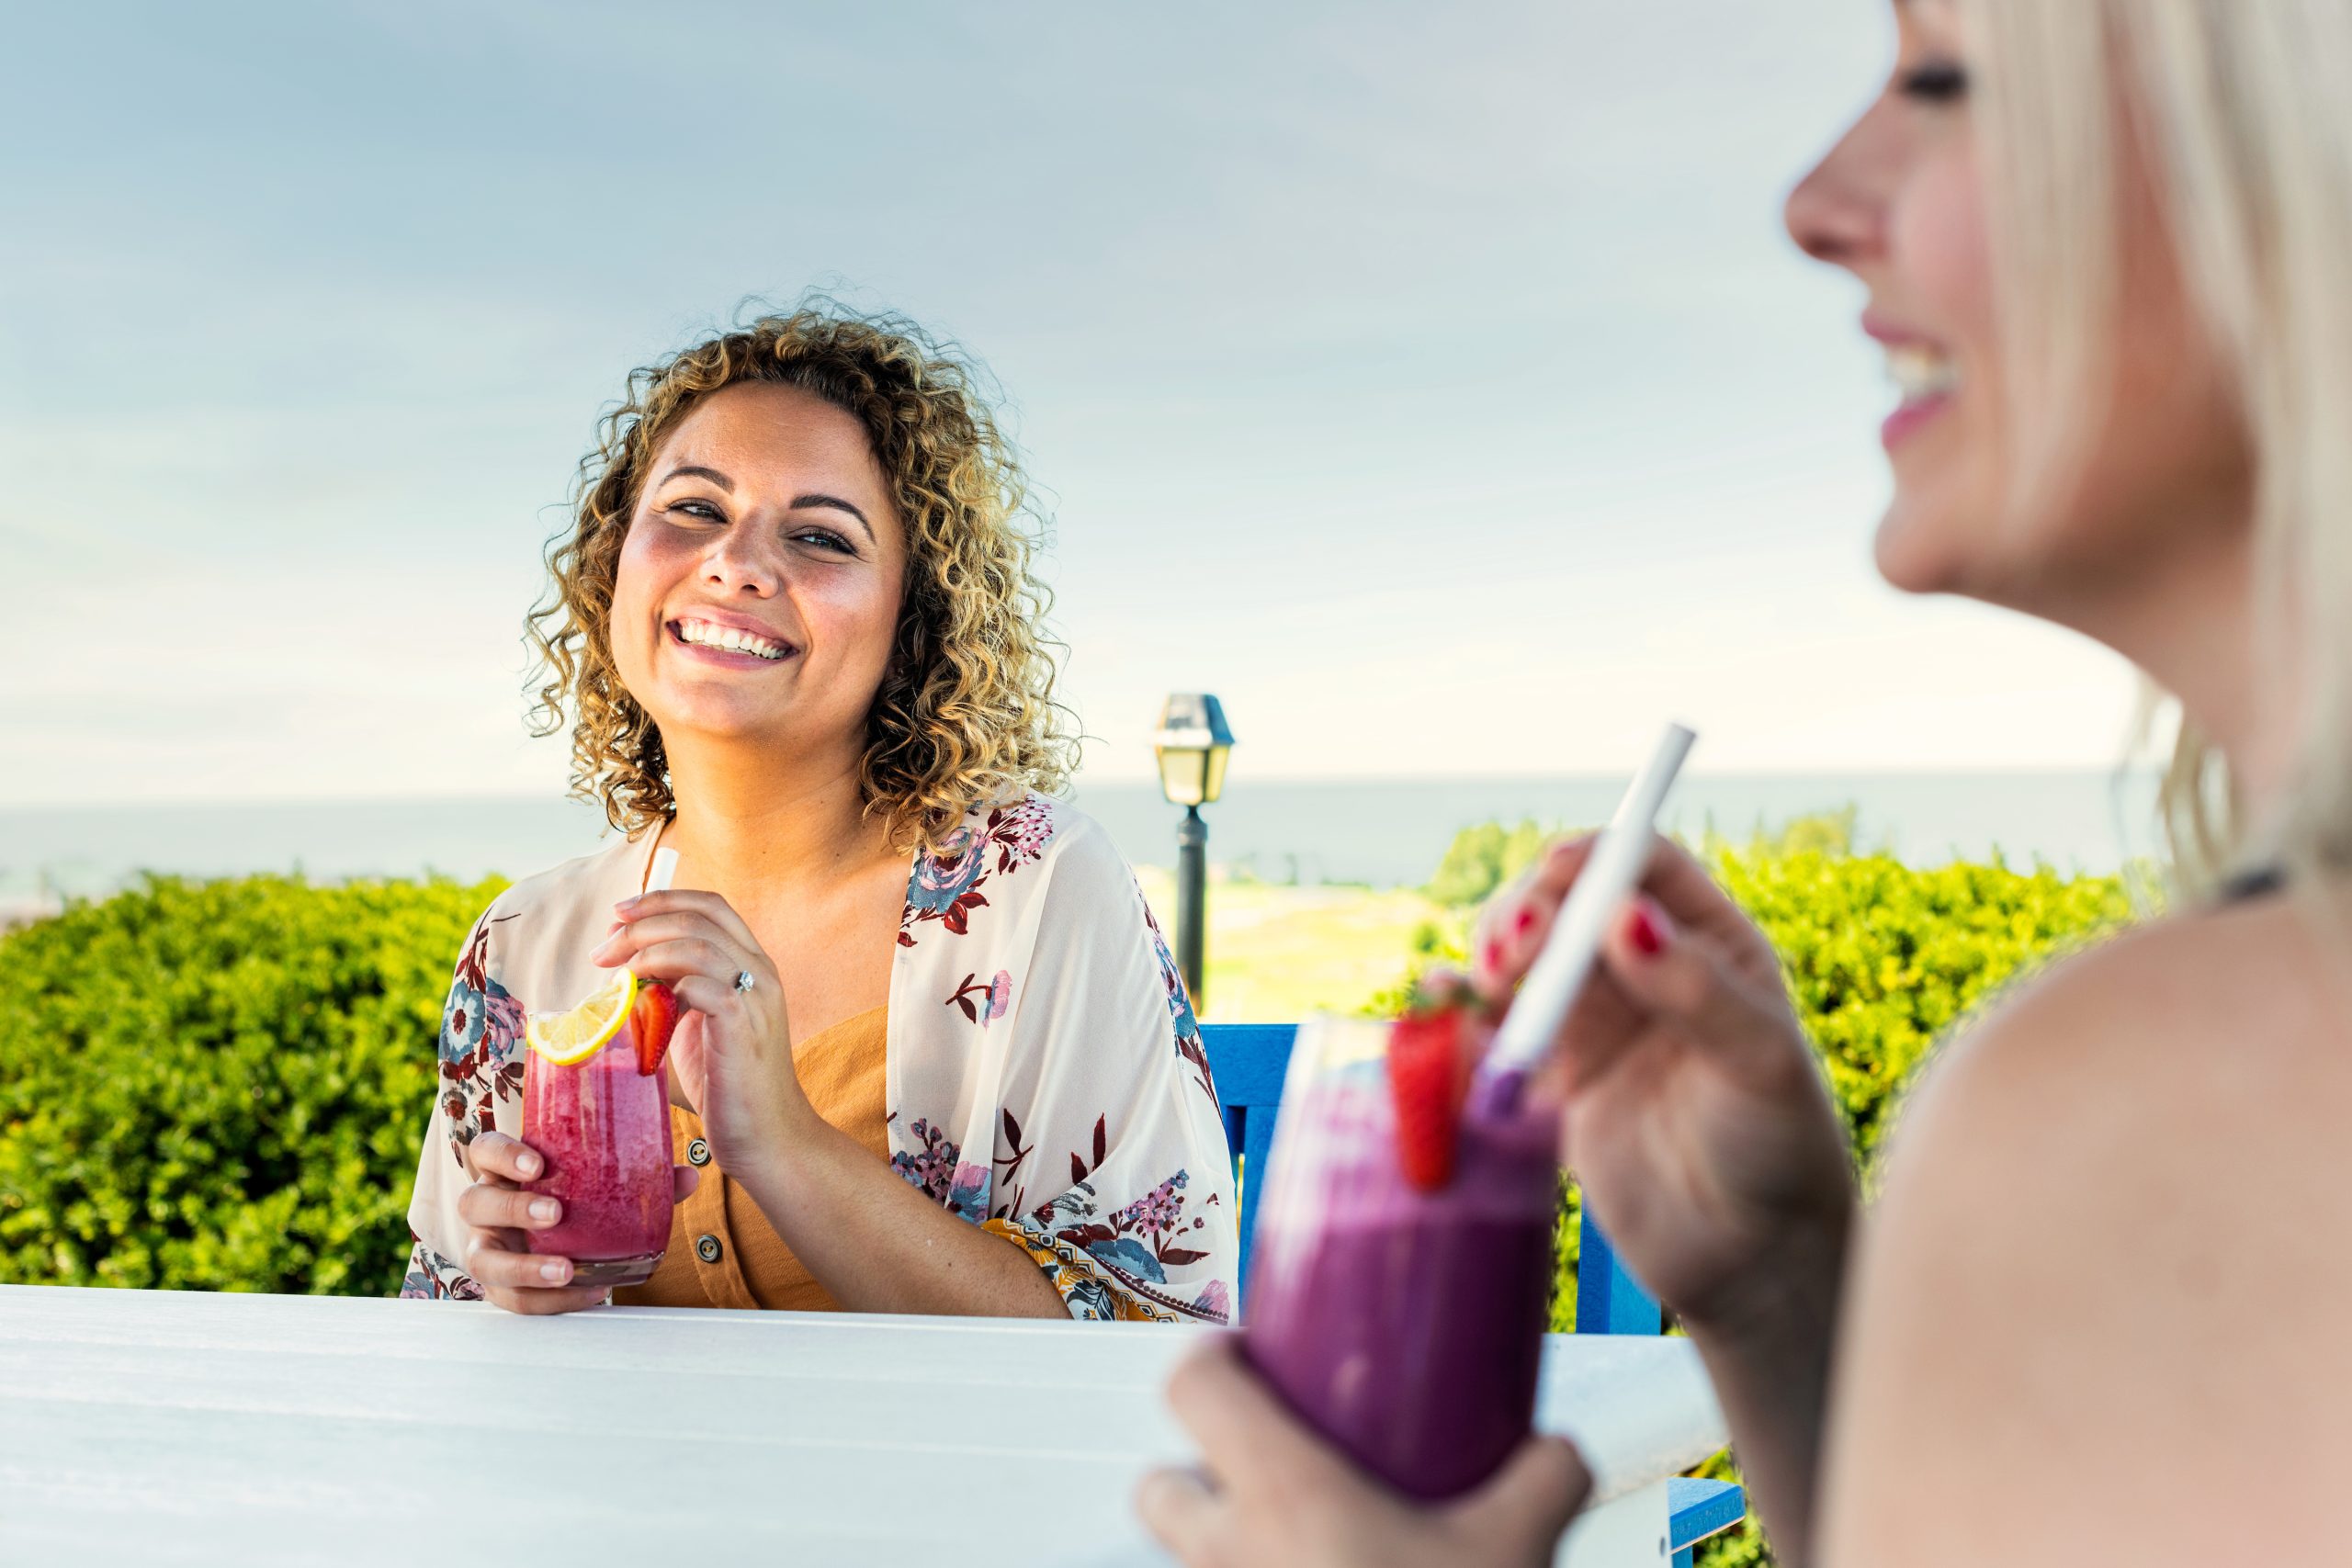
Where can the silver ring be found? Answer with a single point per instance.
(743, 981)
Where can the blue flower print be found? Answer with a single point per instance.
(947, 873)
(1130, 1257)
(463, 1020)
(967, 1195)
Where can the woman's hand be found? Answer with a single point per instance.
(1273, 1493)
(1708, 1148)
(498, 1214)
(1694, 1115)
(732, 1053)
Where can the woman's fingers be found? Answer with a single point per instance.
(1527, 1504)
(1512, 927)
(1181, 1509)
(682, 957)
(497, 1206)
(494, 1264)
(495, 1156)
(1246, 1434)
(706, 909)
(708, 995)
(1680, 977)
(637, 935)
(683, 1180)
(546, 1303)
(1683, 889)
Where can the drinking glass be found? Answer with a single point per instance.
(603, 1129)
(1405, 1325)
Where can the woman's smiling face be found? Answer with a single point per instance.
(757, 595)
(1902, 203)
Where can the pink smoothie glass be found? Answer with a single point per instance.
(1405, 1325)
(603, 1128)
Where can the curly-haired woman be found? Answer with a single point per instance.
(796, 634)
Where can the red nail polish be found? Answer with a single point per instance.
(1526, 919)
(1493, 955)
(1648, 940)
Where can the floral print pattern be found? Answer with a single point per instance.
(1046, 1077)
(433, 1277)
(482, 1031)
(1179, 1007)
(945, 883)
(984, 1004)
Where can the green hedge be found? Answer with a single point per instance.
(221, 1085)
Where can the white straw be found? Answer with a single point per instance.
(1608, 878)
(665, 866)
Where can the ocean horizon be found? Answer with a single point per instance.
(1381, 832)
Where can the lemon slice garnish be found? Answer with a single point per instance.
(572, 1037)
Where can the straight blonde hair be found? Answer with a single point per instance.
(2238, 111)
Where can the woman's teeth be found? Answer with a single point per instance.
(703, 634)
(1920, 373)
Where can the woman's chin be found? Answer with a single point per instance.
(1917, 551)
(719, 718)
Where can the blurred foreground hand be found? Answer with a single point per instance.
(1272, 1491)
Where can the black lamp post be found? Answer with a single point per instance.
(1192, 745)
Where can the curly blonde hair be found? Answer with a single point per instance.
(966, 715)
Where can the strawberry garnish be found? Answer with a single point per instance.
(1428, 1071)
(655, 1015)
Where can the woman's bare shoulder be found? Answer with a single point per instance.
(2226, 1011)
(2096, 1305)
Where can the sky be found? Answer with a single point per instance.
(1435, 384)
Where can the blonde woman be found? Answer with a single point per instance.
(937, 1058)
(2096, 1314)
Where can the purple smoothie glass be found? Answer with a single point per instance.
(1407, 1326)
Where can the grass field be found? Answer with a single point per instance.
(1277, 953)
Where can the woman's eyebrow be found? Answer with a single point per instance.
(695, 470)
(838, 504)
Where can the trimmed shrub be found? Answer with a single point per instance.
(222, 1085)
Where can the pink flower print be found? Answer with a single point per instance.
(502, 1021)
(1157, 1212)
(984, 1003)
(1021, 832)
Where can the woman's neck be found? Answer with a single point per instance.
(2197, 628)
(749, 822)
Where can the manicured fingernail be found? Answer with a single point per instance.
(1492, 956)
(544, 1209)
(629, 903)
(1526, 919)
(1648, 931)
(528, 1163)
(555, 1273)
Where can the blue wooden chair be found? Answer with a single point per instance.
(1250, 1061)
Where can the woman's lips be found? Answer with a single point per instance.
(725, 658)
(1906, 421)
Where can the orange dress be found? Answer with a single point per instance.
(723, 1252)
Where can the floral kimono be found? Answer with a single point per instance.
(1045, 1079)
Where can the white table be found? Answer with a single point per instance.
(168, 1428)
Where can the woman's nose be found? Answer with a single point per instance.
(738, 564)
(1837, 213)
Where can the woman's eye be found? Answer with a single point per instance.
(1933, 81)
(701, 509)
(824, 539)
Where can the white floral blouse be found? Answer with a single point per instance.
(1046, 1075)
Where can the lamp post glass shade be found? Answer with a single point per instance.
(1192, 745)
